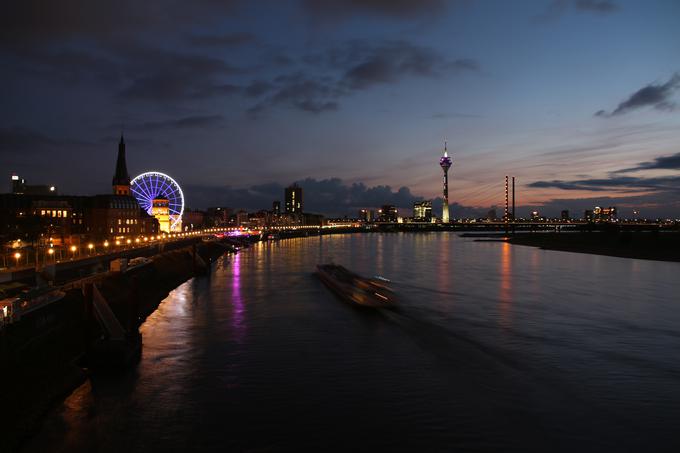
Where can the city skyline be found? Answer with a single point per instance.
(352, 97)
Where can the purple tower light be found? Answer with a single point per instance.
(445, 162)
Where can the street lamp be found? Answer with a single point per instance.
(106, 244)
(73, 251)
(17, 255)
(50, 251)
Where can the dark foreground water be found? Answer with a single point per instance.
(495, 348)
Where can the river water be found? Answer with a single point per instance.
(495, 347)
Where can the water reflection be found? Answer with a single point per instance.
(505, 289)
(444, 270)
(238, 314)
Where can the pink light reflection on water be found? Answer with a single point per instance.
(238, 314)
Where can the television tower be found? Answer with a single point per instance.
(445, 162)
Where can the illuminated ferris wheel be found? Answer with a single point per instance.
(154, 185)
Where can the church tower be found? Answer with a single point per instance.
(121, 179)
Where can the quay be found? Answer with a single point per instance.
(86, 325)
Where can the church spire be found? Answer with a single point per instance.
(121, 179)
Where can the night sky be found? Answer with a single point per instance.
(236, 99)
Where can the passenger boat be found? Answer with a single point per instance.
(353, 288)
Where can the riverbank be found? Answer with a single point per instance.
(639, 245)
(42, 354)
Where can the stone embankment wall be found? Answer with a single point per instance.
(40, 356)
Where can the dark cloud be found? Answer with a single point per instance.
(29, 23)
(597, 6)
(405, 9)
(444, 116)
(660, 163)
(657, 96)
(116, 42)
(282, 60)
(388, 63)
(17, 140)
(559, 7)
(132, 70)
(569, 185)
(300, 92)
(166, 76)
(331, 197)
(69, 66)
(327, 196)
(621, 183)
(224, 40)
(459, 211)
(257, 88)
(188, 122)
(359, 65)
(365, 65)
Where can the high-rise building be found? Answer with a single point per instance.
(422, 211)
(445, 162)
(218, 216)
(604, 214)
(242, 218)
(193, 219)
(588, 215)
(388, 213)
(293, 197)
(366, 215)
(121, 179)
